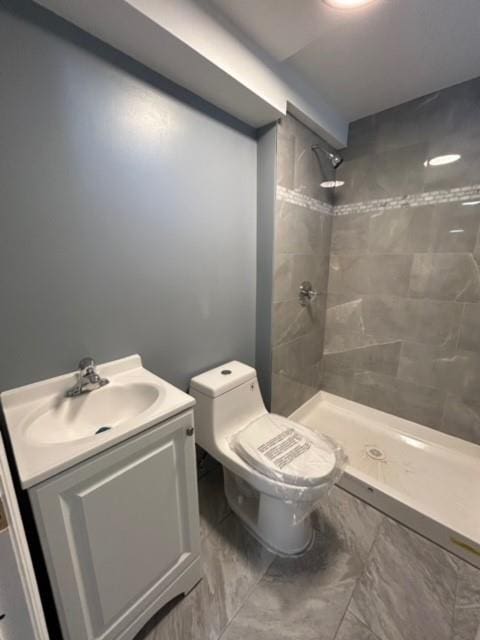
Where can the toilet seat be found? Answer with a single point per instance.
(286, 451)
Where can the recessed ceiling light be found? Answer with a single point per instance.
(347, 4)
(437, 161)
(457, 231)
(471, 203)
(331, 184)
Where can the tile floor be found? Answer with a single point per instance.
(366, 578)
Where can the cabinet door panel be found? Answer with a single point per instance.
(145, 494)
(118, 529)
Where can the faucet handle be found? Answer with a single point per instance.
(86, 364)
(87, 379)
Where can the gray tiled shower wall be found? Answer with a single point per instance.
(302, 246)
(403, 319)
(397, 323)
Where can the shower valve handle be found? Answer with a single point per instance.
(307, 293)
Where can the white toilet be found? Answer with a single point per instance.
(275, 470)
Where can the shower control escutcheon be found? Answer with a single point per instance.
(307, 293)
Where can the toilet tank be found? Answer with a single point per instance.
(228, 398)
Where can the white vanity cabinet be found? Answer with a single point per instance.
(120, 532)
(21, 615)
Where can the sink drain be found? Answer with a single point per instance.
(102, 429)
(375, 453)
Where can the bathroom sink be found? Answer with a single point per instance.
(51, 432)
(90, 415)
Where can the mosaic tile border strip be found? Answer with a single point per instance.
(294, 197)
(457, 194)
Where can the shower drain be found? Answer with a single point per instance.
(375, 453)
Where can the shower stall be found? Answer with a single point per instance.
(375, 306)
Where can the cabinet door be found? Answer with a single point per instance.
(118, 529)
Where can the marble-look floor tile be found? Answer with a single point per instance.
(241, 561)
(407, 591)
(352, 629)
(300, 598)
(352, 522)
(467, 604)
(233, 563)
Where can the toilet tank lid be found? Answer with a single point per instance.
(218, 381)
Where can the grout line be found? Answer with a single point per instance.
(364, 567)
(247, 596)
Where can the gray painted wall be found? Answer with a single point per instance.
(128, 211)
(266, 183)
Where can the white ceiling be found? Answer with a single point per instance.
(369, 59)
(193, 44)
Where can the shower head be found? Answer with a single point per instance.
(334, 158)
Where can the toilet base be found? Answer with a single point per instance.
(277, 524)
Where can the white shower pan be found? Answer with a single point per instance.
(425, 479)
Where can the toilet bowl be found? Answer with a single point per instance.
(275, 470)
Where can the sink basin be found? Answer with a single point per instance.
(50, 433)
(89, 415)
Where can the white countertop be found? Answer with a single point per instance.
(36, 461)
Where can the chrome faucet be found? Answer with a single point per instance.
(88, 379)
